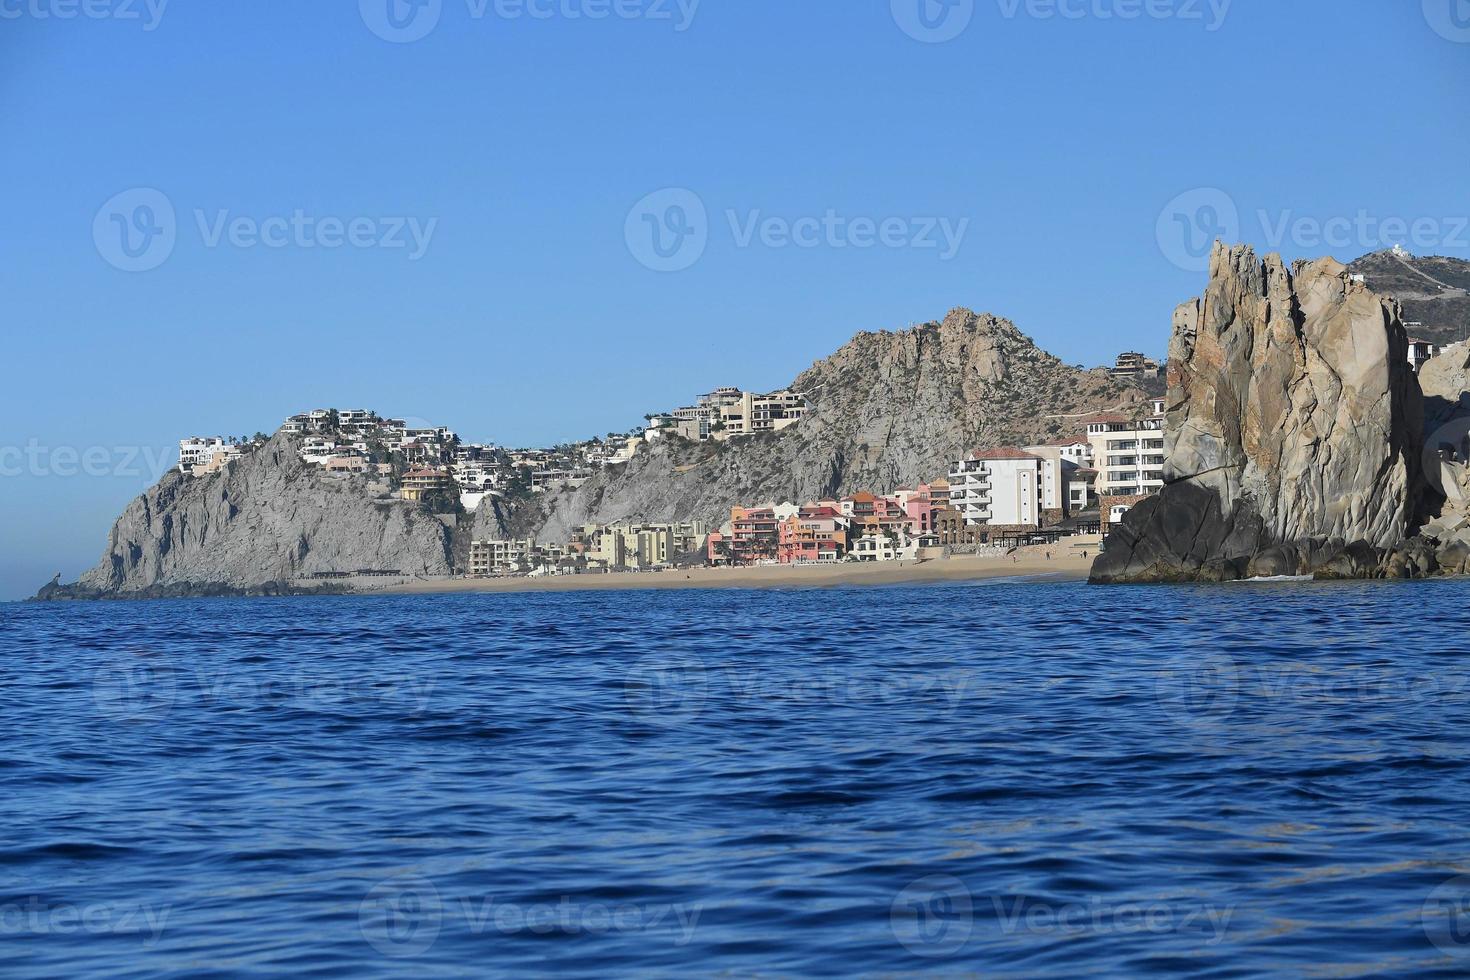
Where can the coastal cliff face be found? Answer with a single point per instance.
(888, 409)
(265, 520)
(1294, 434)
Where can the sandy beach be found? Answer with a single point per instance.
(1065, 562)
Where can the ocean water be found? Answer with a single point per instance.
(1004, 779)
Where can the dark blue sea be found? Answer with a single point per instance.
(998, 779)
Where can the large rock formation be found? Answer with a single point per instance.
(1293, 437)
(889, 409)
(254, 527)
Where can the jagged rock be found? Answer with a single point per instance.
(1293, 434)
(889, 409)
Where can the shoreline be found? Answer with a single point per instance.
(1065, 564)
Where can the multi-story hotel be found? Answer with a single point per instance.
(1012, 487)
(1128, 454)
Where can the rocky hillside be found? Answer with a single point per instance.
(1294, 435)
(1434, 292)
(252, 528)
(888, 409)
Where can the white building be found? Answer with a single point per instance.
(197, 451)
(1421, 351)
(1000, 487)
(1128, 453)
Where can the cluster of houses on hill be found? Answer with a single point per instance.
(424, 461)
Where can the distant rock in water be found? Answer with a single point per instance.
(1294, 435)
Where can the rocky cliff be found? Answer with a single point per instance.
(888, 409)
(1294, 435)
(252, 528)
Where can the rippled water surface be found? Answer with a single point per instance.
(1008, 779)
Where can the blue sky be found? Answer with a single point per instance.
(1067, 148)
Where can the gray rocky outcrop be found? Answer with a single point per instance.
(1294, 435)
(254, 527)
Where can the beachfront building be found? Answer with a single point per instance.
(500, 557)
(814, 534)
(1000, 488)
(875, 546)
(754, 536)
(1128, 454)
